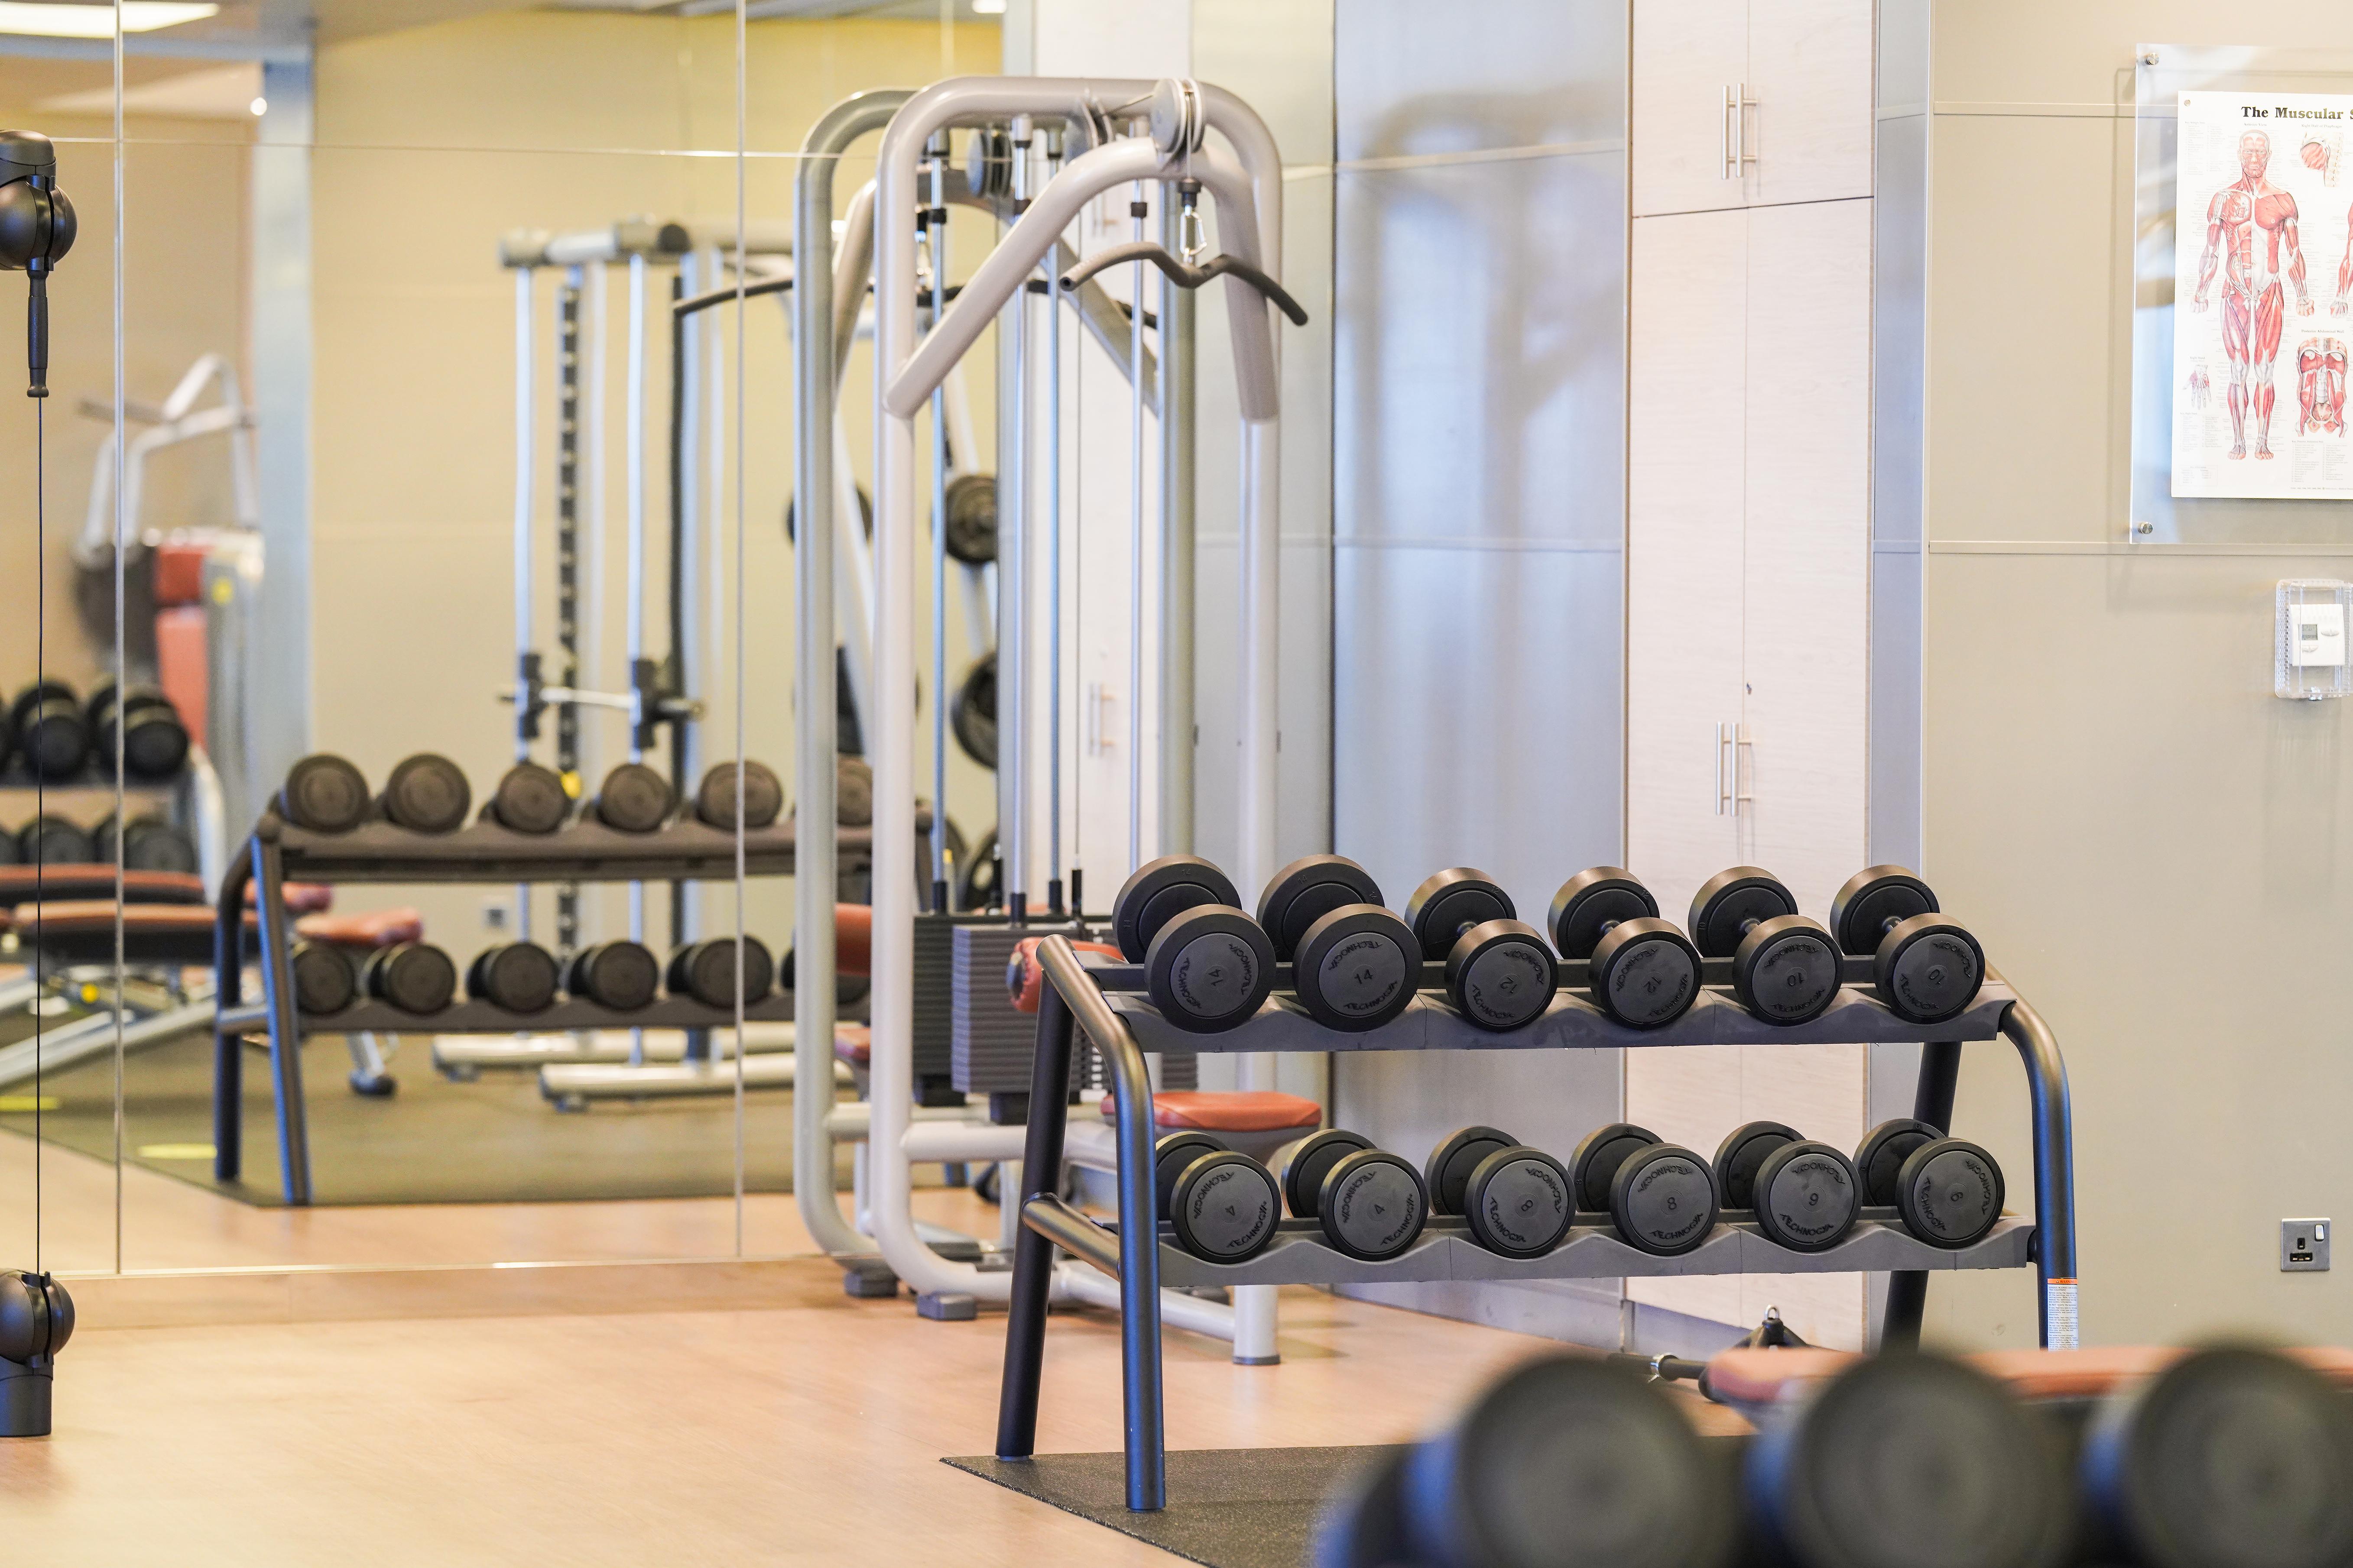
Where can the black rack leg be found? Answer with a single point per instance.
(229, 1045)
(1932, 1102)
(1033, 1255)
(285, 1026)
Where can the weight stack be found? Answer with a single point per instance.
(992, 1046)
(935, 1011)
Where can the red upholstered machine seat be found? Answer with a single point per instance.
(853, 1043)
(374, 928)
(22, 885)
(1234, 1111)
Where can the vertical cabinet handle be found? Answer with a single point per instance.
(1726, 762)
(1731, 130)
(1740, 738)
(1741, 103)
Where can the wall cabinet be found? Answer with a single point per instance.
(1748, 635)
(1749, 102)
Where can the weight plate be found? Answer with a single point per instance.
(622, 975)
(1595, 1162)
(972, 714)
(1663, 1200)
(411, 977)
(1499, 974)
(1170, 1155)
(54, 841)
(764, 795)
(1571, 1462)
(428, 794)
(1448, 1170)
(1310, 1160)
(1372, 1204)
(1929, 970)
(1786, 970)
(1874, 902)
(1357, 968)
(1158, 892)
(1593, 901)
(1448, 903)
(1741, 1153)
(705, 971)
(530, 799)
(9, 854)
(1910, 1461)
(972, 519)
(1729, 902)
(1208, 969)
(2231, 1457)
(518, 976)
(323, 978)
(1949, 1192)
(1517, 1202)
(154, 742)
(1805, 1196)
(152, 844)
(634, 799)
(1644, 973)
(853, 793)
(1225, 1207)
(1881, 1155)
(52, 733)
(1305, 891)
(323, 794)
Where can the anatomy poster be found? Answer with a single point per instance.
(2263, 301)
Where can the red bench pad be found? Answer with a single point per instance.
(1237, 1110)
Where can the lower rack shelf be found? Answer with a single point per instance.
(1299, 1256)
(482, 1018)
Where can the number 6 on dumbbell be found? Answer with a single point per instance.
(1206, 965)
(1926, 968)
(1785, 967)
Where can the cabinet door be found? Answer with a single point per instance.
(1686, 437)
(1811, 72)
(1687, 53)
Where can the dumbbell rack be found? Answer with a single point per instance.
(1106, 1000)
(686, 850)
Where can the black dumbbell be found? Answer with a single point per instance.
(426, 793)
(705, 971)
(1660, 1196)
(150, 843)
(634, 798)
(1814, 1475)
(1805, 1195)
(973, 713)
(324, 793)
(1499, 976)
(54, 841)
(972, 519)
(1566, 1462)
(530, 799)
(153, 740)
(52, 733)
(514, 977)
(1372, 1204)
(853, 794)
(324, 979)
(411, 975)
(1206, 965)
(1949, 1192)
(2233, 1455)
(622, 975)
(1785, 967)
(1519, 1201)
(763, 796)
(1309, 1161)
(1447, 1172)
(1354, 963)
(1880, 1156)
(1926, 969)
(1223, 1206)
(1639, 969)
(9, 855)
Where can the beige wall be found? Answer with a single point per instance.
(431, 143)
(2145, 836)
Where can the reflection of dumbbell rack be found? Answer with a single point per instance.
(686, 850)
(1107, 1000)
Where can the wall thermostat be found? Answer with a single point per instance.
(2310, 661)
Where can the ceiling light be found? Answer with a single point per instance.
(57, 21)
(261, 106)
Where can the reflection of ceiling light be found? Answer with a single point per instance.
(54, 21)
(261, 106)
(988, 7)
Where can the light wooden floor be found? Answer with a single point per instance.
(811, 1431)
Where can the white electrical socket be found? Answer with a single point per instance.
(2303, 1246)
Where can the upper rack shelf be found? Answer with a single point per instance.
(686, 850)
